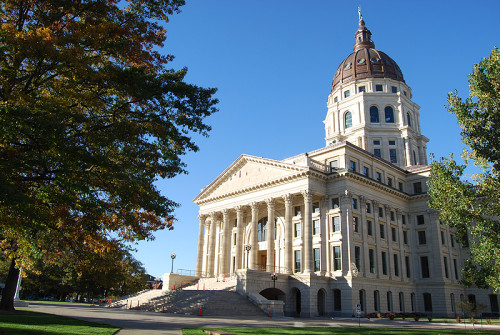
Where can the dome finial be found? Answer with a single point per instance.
(362, 35)
(359, 14)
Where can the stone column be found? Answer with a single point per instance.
(323, 223)
(347, 232)
(376, 231)
(226, 238)
(288, 234)
(402, 268)
(239, 238)
(201, 239)
(388, 238)
(307, 237)
(408, 152)
(211, 245)
(364, 237)
(270, 236)
(254, 252)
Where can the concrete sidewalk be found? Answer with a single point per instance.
(149, 323)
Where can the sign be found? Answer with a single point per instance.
(358, 310)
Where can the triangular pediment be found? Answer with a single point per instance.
(248, 172)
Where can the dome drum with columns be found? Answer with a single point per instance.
(346, 224)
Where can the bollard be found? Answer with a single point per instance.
(199, 314)
(198, 287)
(138, 305)
(130, 304)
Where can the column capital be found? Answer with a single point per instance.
(225, 213)
(362, 199)
(270, 202)
(239, 209)
(375, 203)
(399, 211)
(387, 208)
(254, 205)
(307, 194)
(202, 217)
(287, 198)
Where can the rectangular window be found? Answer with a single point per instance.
(407, 264)
(417, 187)
(317, 266)
(376, 142)
(354, 203)
(452, 239)
(379, 88)
(366, 171)
(421, 237)
(400, 186)
(234, 239)
(405, 237)
(334, 165)
(336, 223)
(362, 89)
(393, 216)
(352, 166)
(424, 266)
(370, 227)
(297, 261)
(443, 242)
(297, 211)
(377, 153)
(357, 257)
(371, 259)
(380, 212)
(393, 233)
(393, 156)
(396, 265)
(404, 92)
(379, 177)
(455, 267)
(355, 223)
(392, 142)
(335, 203)
(403, 219)
(336, 99)
(368, 207)
(337, 260)
(394, 89)
(315, 207)
(347, 94)
(297, 229)
(384, 263)
(420, 220)
(446, 271)
(389, 182)
(316, 229)
(382, 231)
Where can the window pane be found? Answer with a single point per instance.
(374, 116)
(389, 114)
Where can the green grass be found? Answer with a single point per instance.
(27, 323)
(338, 330)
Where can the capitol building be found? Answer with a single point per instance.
(345, 225)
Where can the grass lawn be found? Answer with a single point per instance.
(27, 323)
(338, 330)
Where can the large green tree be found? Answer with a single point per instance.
(90, 117)
(474, 205)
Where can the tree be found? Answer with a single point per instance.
(474, 205)
(90, 118)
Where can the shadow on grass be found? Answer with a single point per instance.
(24, 322)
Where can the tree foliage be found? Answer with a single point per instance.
(90, 117)
(474, 205)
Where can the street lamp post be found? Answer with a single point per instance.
(274, 277)
(173, 257)
(248, 247)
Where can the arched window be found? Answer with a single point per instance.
(401, 302)
(362, 300)
(414, 158)
(452, 302)
(409, 118)
(262, 230)
(374, 115)
(389, 114)
(376, 301)
(389, 301)
(348, 120)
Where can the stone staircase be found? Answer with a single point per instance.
(215, 297)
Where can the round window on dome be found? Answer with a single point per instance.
(375, 60)
(347, 66)
(361, 61)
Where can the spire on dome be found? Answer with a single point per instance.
(362, 35)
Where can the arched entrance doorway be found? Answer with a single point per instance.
(321, 302)
(294, 303)
(273, 294)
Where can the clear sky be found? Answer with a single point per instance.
(273, 64)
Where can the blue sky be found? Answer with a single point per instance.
(273, 64)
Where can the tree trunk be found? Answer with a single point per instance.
(7, 303)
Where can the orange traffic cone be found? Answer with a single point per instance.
(199, 314)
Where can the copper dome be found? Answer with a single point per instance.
(366, 61)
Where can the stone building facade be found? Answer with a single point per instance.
(346, 224)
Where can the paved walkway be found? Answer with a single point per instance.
(149, 323)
